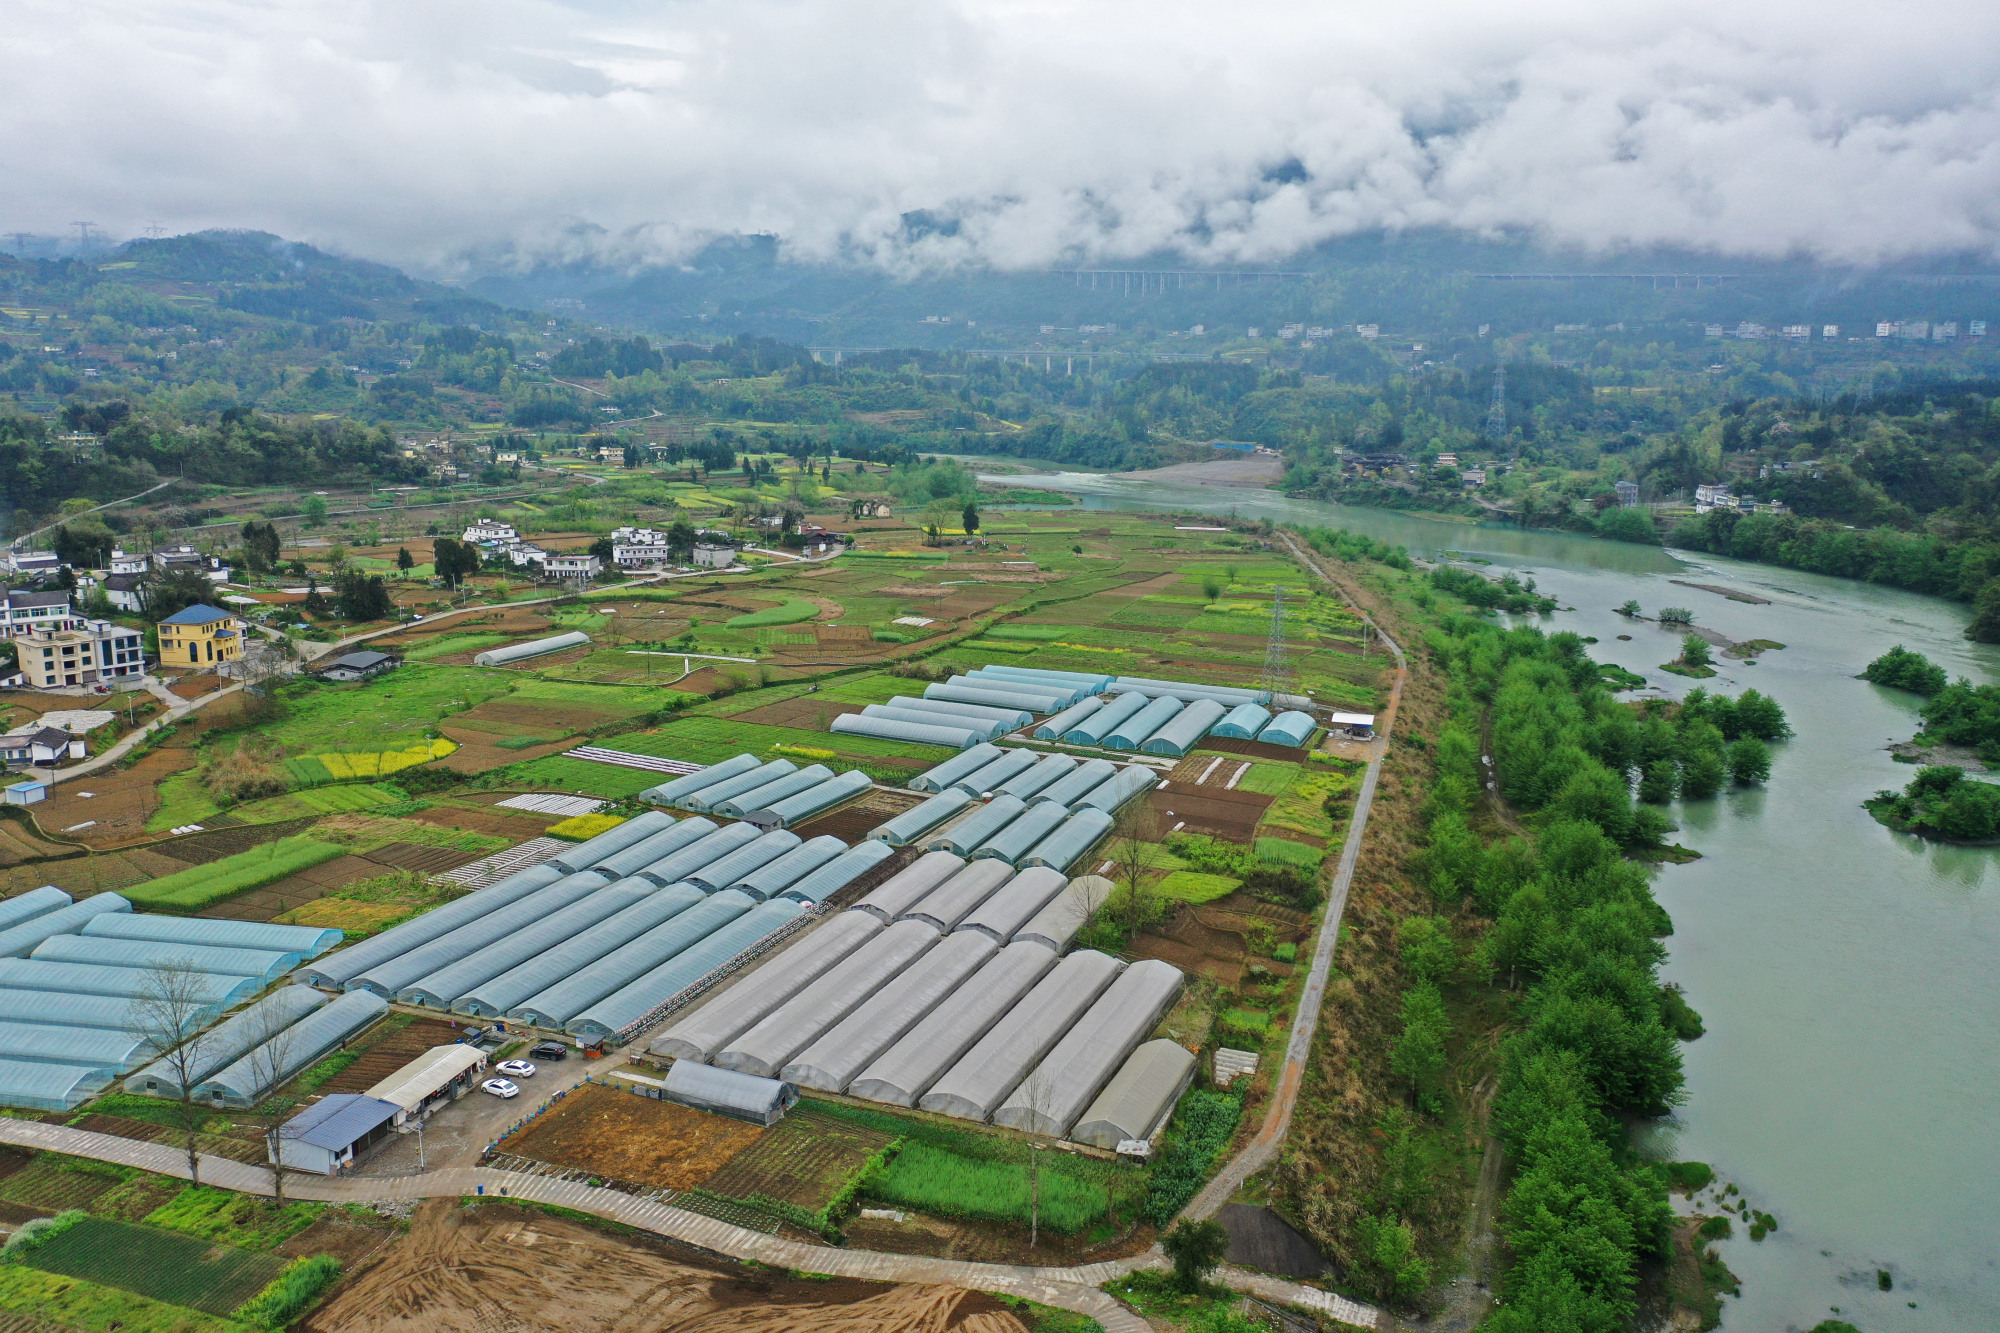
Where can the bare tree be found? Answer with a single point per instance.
(1038, 1092)
(270, 1067)
(1132, 837)
(171, 1012)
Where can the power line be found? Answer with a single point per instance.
(1277, 665)
(1496, 415)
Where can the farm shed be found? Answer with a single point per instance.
(1184, 690)
(98, 1048)
(493, 997)
(1243, 722)
(956, 767)
(1285, 729)
(335, 969)
(844, 1050)
(587, 854)
(984, 728)
(334, 1132)
(946, 905)
(764, 796)
(18, 941)
(838, 873)
(442, 988)
(672, 793)
(130, 982)
(703, 852)
(219, 1046)
(1021, 834)
(726, 869)
(943, 710)
(1075, 836)
(1180, 735)
(632, 1006)
(987, 778)
(34, 903)
(84, 1011)
(1056, 727)
(761, 1101)
(774, 981)
(942, 734)
(824, 797)
(1070, 1076)
(919, 820)
(1139, 1097)
(1014, 903)
(998, 694)
(1045, 772)
(775, 876)
(1359, 725)
(1093, 729)
(655, 848)
(305, 941)
(907, 1069)
(1065, 914)
(363, 665)
(1131, 781)
(960, 838)
(27, 793)
(268, 1064)
(774, 1039)
(707, 798)
(386, 978)
(520, 652)
(902, 890)
(1085, 778)
(1061, 693)
(564, 999)
(1136, 729)
(973, 1088)
(432, 1079)
(1093, 682)
(34, 1086)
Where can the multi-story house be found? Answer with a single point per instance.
(199, 637)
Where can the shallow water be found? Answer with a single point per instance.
(1850, 1079)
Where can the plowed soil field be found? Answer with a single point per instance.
(1229, 815)
(632, 1138)
(120, 803)
(283, 895)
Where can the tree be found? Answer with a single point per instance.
(1196, 1249)
(1630, 610)
(166, 591)
(1430, 955)
(969, 517)
(85, 543)
(1676, 615)
(97, 605)
(1132, 834)
(314, 509)
(603, 549)
(1901, 669)
(1211, 587)
(454, 559)
(261, 545)
(1749, 761)
(1985, 626)
(1419, 1054)
(1659, 781)
(360, 596)
(1694, 652)
(170, 1012)
(1702, 773)
(270, 1062)
(405, 562)
(681, 537)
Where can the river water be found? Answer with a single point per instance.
(1849, 976)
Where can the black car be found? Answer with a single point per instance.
(549, 1050)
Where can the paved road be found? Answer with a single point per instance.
(177, 708)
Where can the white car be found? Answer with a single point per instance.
(500, 1087)
(516, 1068)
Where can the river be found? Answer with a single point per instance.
(1849, 1081)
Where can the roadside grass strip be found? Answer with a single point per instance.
(946, 1185)
(190, 1271)
(197, 887)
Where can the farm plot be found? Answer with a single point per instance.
(160, 1265)
(851, 822)
(270, 901)
(635, 1139)
(1230, 815)
(201, 886)
(119, 804)
(388, 1048)
(806, 1160)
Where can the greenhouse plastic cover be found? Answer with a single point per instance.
(1136, 729)
(1057, 923)
(707, 798)
(944, 709)
(823, 797)
(777, 979)
(921, 819)
(1138, 1097)
(67, 1008)
(710, 1089)
(386, 978)
(974, 1088)
(515, 652)
(774, 877)
(1095, 682)
(726, 869)
(585, 855)
(618, 1013)
(92, 979)
(1130, 781)
(305, 941)
(888, 729)
(44, 1087)
(1093, 729)
(656, 847)
(1015, 903)
(334, 969)
(1085, 778)
(764, 1049)
(1011, 763)
(1077, 835)
(35, 902)
(219, 1046)
(1046, 772)
(20, 940)
(998, 694)
(571, 995)
(1179, 736)
(946, 905)
(1011, 843)
(1068, 1079)
(954, 768)
(1058, 726)
(1062, 692)
(763, 797)
(494, 997)
(840, 872)
(1189, 690)
(1244, 722)
(262, 964)
(984, 727)
(703, 852)
(906, 1070)
(98, 1048)
(1285, 729)
(904, 889)
(960, 838)
(670, 793)
(249, 1076)
(442, 988)
(845, 1049)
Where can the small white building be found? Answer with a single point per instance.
(42, 746)
(130, 562)
(333, 1133)
(35, 612)
(124, 592)
(34, 564)
(439, 1075)
(523, 554)
(713, 556)
(489, 530)
(572, 565)
(638, 556)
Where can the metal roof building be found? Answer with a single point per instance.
(1073, 716)
(632, 1006)
(845, 1049)
(1053, 1097)
(35, 902)
(69, 1009)
(570, 996)
(960, 838)
(770, 793)
(701, 853)
(942, 734)
(1081, 780)
(1064, 915)
(1021, 834)
(266, 967)
(726, 869)
(131, 982)
(1243, 722)
(18, 941)
(1093, 729)
(904, 889)
(1075, 836)
(333, 1132)
(442, 988)
(775, 876)
(587, 854)
(907, 1069)
(1132, 781)
(1046, 772)
(1292, 728)
(386, 978)
(750, 779)
(998, 694)
(921, 819)
(305, 941)
(761, 1101)
(838, 873)
(1136, 729)
(670, 793)
(765, 1047)
(47, 1087)
(956, 767)
(946, 905)
(516, 652)
(247, 1078)
(1014, 903)
(1140, 1096)
(784, 974)
(815, 800)
(974, 1088)
(433, 1077)
(493, 997)
(1010, 719)
(335, 969)
(989, 777)
(219, 1046)
(1181, 735)
(97, 1048)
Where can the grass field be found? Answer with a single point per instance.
(790, 613)
(234, 1219)
(320, 801)
(65, 1302)
(197, 887)
(160, 1265)
(1192, 886)
(947, 1185)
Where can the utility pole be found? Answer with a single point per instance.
(83, 230)
(1277, 669)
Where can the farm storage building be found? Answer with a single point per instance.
(432, 1079)
(1053, 1097)
(1139, 1096)
(919, 820)
(959, 839)
(493, 997)
(946, 905)
(214, 1049)
(1288, 729)
(725, 870)
(1130, 781)
(638, 1003)
(1093, 729)
(147, 954)
(35, 902)
(1013, 842)
(1085, 778)
(709, 797)
(1179, 736)
(1244, 722)
(985, 728)
(761, 1101)
(996, 695)
(831, 1062)
(569, 996)
(129, 982)
(821, 798)
(35, 1086)
(939, 733)
(97, 1048)
(764, 1049)
(1136, 729)
(440, 989)
(1014, 904)
(703, 1032)
(1058, 922)
(956, 767)
(974, 1087)
(907, 1069)
(269, 1063)
(334, 1132)
(904, 889)
(335, 969)
(18, 941)
(943, 710)
(989, 777)
(1062, 692)
(1056, 727)
(85, 1011)
(838, 873)
(587, 854)
(671, 793)
(305, 941)
(770, 793)
(775, 876)
(703, 852)
(386, 978)
(518, 652)
(1045, 772)
(1072, 838)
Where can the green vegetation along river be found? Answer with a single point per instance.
(1850, 1079)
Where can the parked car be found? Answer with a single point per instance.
(500, 1087)
(549, 1050)
(516, 1068)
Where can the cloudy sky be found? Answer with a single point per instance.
(1040, 131)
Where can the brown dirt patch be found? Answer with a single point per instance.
(1284, 754)
(852, 821)
(810, 712)
(1187, 957)
(1231, 816)
(843, 634)
(425, 860)
(804, 1159)
(342, 1235)
(632, 1138)
(247, 1149)
(120, 804)
(388, 1049)
(519, 825)
(214, 845)
(193, 687)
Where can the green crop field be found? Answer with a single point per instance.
(446, 644)
(946, 1185)
(59, 1301)
(789, 614)
(236, 1219)
(1193, 886)
(197, 887)
(161, 1265)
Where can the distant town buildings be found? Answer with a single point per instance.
(35, 612)
(1628, 494)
